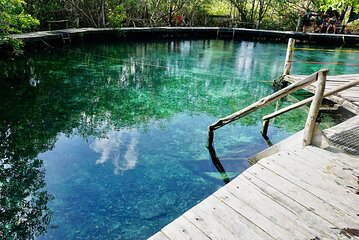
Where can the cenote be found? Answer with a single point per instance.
(108, 141)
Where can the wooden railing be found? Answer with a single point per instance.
(316, 100)
(268, 117)
(320, 75)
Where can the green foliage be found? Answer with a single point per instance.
(218, 8)
(117, 16)
(13, 19)
(339, 5)
(45, 10)
(271, 14)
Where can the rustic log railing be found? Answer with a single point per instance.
(314, 109)
(320, 75)
(268, 117)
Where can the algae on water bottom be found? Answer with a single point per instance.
(108, 141)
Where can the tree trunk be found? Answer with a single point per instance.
(103, 13)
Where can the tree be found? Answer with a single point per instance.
(45, 10)
(13, 19)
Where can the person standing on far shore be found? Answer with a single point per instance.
(306, 19)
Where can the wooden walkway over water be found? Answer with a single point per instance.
(348, 98)
(88, 34)
(296, 193)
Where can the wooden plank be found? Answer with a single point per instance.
(322, 181)
(349, 97)
(329, 162)
(336, 82)
(270, 209)
(326, 208)
(344, 159)
(326, 168)
(346, 103)
(182, 228)
(341, 78)
(218, 221)
(305, 101)
(252, 214)
(158, 236)
(323, 229)
(317, 184)
(348, 75)
(303, 203)
(350, 93)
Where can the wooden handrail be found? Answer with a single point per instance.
(307, 100)
(259, 104)
(314, 109)
(289, 56)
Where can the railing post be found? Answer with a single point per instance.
(314, 108)
(305, 101)
(289, 56)
(210, 137)
(265, 128)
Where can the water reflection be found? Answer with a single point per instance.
(24, 211)
(144, 108)
(118, 146)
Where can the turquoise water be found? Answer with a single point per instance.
(108, 141)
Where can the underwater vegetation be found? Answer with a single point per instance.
(108, 141)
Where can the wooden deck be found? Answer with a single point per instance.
(349, 98)
(296, 193)
(81, 34)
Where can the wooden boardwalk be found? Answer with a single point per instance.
(82, 34)
(296, 193)
(349, 98)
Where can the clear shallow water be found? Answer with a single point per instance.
(108, 141)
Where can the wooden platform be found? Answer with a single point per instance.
(349, 98)
(296, 193)
(82, 34)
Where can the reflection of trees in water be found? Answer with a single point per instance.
(97, 91)
(24, 213)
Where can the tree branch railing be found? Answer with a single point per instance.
(260, 104)
(268, 117)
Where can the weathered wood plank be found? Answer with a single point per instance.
(313, 182)
(252, 214)
(320, 179)
(347, 98)
(325, 208)
(341, 78)
(305, 101)
(159, 236)
(301, 202)
(328, 162)
(182, 228)
(342, 158)
(347, 103)
(326, 169)
(322, 228)
(218, 221)
(271, 210)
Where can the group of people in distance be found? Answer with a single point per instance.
(323, 22)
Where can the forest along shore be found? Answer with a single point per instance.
(68, 36)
